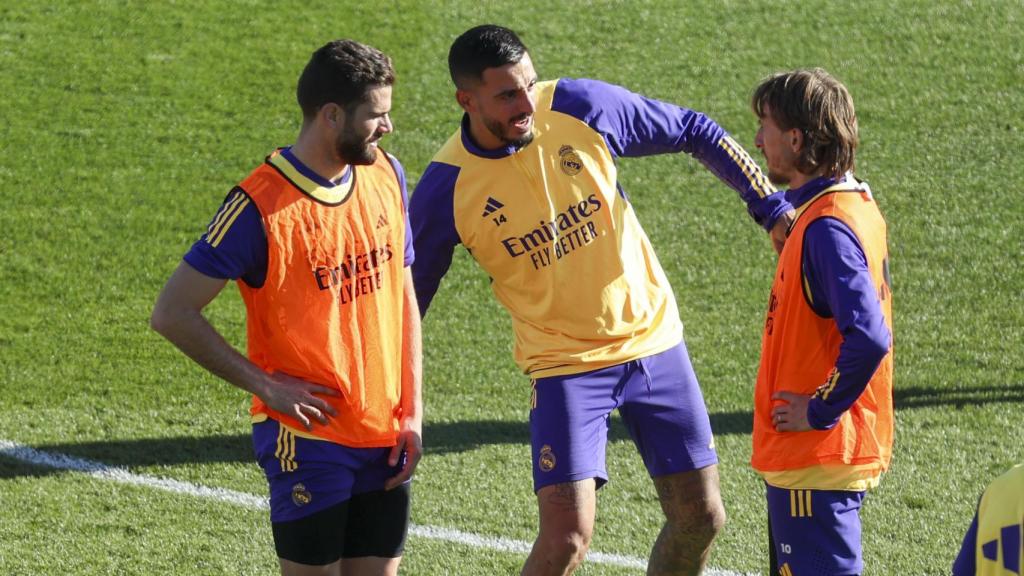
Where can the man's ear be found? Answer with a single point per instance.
(796, 140)
(332, 115)
(465, 100)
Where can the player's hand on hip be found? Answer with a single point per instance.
(791, 416)
(780, 229)
(298, 399)
(410, 442)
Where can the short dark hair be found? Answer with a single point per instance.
(342, 72)
(480, 48)
(817, 104)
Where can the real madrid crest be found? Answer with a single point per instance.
(301, 496)
(569, 160)
(546, 461)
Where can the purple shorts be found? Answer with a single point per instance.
(659, 401)
(307, 476)
(815, 531)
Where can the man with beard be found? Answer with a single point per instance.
(823, 413)
(317, 240)
(529, 186)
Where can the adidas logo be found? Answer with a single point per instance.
(1009, 541)
(491, 207)
(381, 222)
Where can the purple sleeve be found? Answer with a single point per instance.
(410, 254)
(841, 287)
(432, 213)
(633, 125)
(234, 245)
(964, 564)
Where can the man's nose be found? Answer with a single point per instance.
(526, 104)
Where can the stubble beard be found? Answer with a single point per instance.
(499, 130)
(778, 179)
(355, 150)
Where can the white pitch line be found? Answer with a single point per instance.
(251, 501)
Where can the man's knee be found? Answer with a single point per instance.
(569, 544)
(710, 515)
(692, 502)
(567, 518)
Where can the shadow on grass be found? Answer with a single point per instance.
(14, 468)
(926, 397)
(47, 459)
(440, 437)
(447, 437)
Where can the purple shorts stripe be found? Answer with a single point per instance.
(660, 403)
(816, 531)
(306, 476)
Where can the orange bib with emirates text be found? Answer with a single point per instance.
(330, 310)
(799, 351)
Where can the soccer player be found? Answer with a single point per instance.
(528, 184)
(992, 545)
(823, 418)
(317, 239)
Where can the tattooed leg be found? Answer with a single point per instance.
(566, 525)
(694, 514)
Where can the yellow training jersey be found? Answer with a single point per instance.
(550, 225)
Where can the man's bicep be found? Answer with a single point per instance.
(189, 289)
(633, 124)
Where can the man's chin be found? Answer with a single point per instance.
(778, 179)
(360, 158)
(521, 141)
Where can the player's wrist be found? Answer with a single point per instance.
(769, 209)
(413, 423)
(819, 417)
(260, 385)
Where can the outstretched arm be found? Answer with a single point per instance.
(633, 125)
(178, 317)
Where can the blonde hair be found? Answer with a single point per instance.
(818, 105)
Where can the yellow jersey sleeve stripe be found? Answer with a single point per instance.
(807, 495)
(754, 176)
(792, 503)
(223, 213)
(227, 225)
(831, 385)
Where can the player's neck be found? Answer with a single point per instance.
(483, 137)
(317, 157)
(799, 179)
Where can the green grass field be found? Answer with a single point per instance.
(124, 124)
